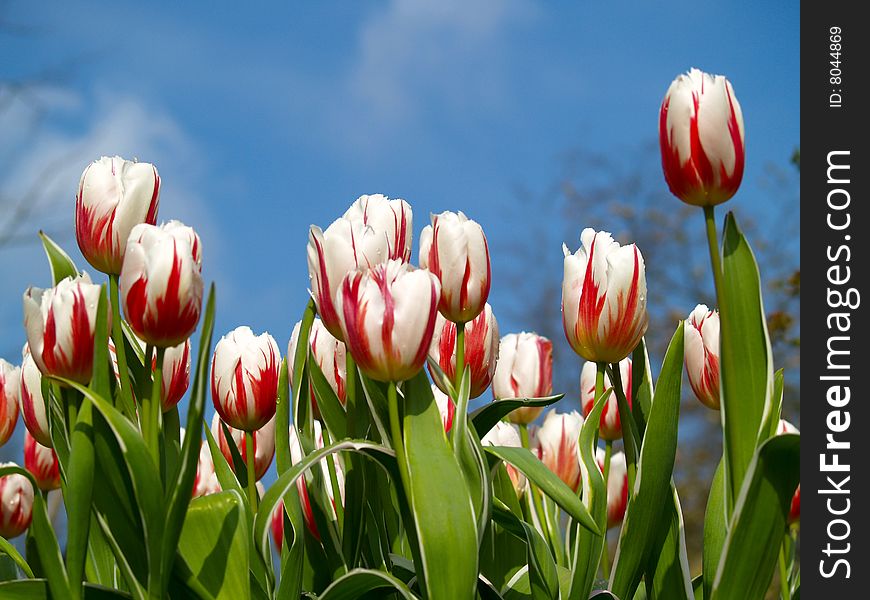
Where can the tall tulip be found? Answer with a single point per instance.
(32, 403)
(617, 486)
(524, 370)
(176, 374)
(701, 335)
(372, 231)
(114, 196)
(244, 378)
(702, 139)
(603, 298)
(331, 357)
(60, 324)
(794, 513)
(41, 461)
(10, 385)
(388, 318)
(161, 284)
(481, 350)
(16, 504)
(610, 427)
(505, 434)
(264, 445)
(446, 408)
(454, 248)
(556, 443)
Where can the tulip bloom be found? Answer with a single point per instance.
(524, 370)
(176, 374)
(481, 349)
(445, 407)
(505, 434)
(454, 248)
(617, 486)
(701, 335)
(388, 318)
(114, 196)
(331, 357)
(10, 384)
(16, 504)
(41, 461)
(702, 140)
(556, 443)
(610, 428)
(161, 284)
(206, 482)
(264, 445)
(32, 403)
(372, 231)
(603, 298)
(244, 378)
(60, 324)
(794, 513)
(296, 455)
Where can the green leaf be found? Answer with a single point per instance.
(282, 420)
(485, 417)
(61, 264)
(652, 486)
(23, 589)
(122, 562)
(758, 522)
(542, 573)
(641, 386)
(358, 582)
(715, 528)
(100, 566)
(302, 410)
(746, 363)
(668, 575)
(15, 556)
(472, 460)
(377, 403)
(330, 406)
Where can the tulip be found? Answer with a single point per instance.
(16, 503)
(41, 461)
(481, 350)
(296, 455)
(32, 403)
(264, 445)
(556, 443)
(603, 298)
(114, 196)
(60, 324)
(372, 231)
(701, 335)
(505, 434)
(206, 482)
(388, 318)
(278, 525)
(10, 384)
(244, 378)
(617, 486)
(524, 370)
(446, 408)
(702, 140)
(331, 357)
(176, 374)
(610, 427)
(454, 248)
(794, 513)
(161, 283)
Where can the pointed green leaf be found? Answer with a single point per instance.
(485, 417)
(59, 261)
(359, 582)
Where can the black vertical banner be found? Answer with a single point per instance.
(835, 408)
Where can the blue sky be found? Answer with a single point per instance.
(263, 118)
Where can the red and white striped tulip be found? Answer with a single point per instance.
(388, 318)
(264, 445)
(114, 196)
(244, 378)
(446, 408)
(161, 283)
(617, 486)
(331, 356)
(603, 298)
(702, 139)
(701, 335)
(32, 403)
(16, 503)
(454, 248)
(176, 374)
(60, 324)
(556, 443)
(505, 434)
(41, 461)
(524, 370)
(10, 386)
(610, 427)
(481, 349)
(277, 524)
(372, 231)
(205, 482)
(794, 513)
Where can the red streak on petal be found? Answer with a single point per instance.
(545, 367)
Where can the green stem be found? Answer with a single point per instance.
(608, 452)
(333, 481)
(396, 434)
(151, 411)
(126, 394)
(784, 590)
(459, 420)
(533, 491)
(713, 244)
(250, 457)
(605, 551)
(630, 437)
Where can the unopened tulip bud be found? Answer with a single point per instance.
(617, 486)
(610, 427)
(264, 445)
(446, 408)
(176, 374)
(114, 196)
(557, 446)
(32, 403)
(16, 504)
(388, 318)
(372, 231)
(481, 349)
(161, 283)
(603, 298)
(60, 323)
(794, 513)
(41, 461)
(524, 370)
(702, 140)
(454, 248)
(701, 335)
(10, 385)
(331, 357)
(244, 378)
(505, 434)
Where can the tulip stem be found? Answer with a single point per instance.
(396, 434)
(605, 556)
(630, 437)
(533, 491)
(460, 420)
(713, 243)
(120, 351)
(333, 481)
(784, 590)
(150, 412)
(250, 460)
